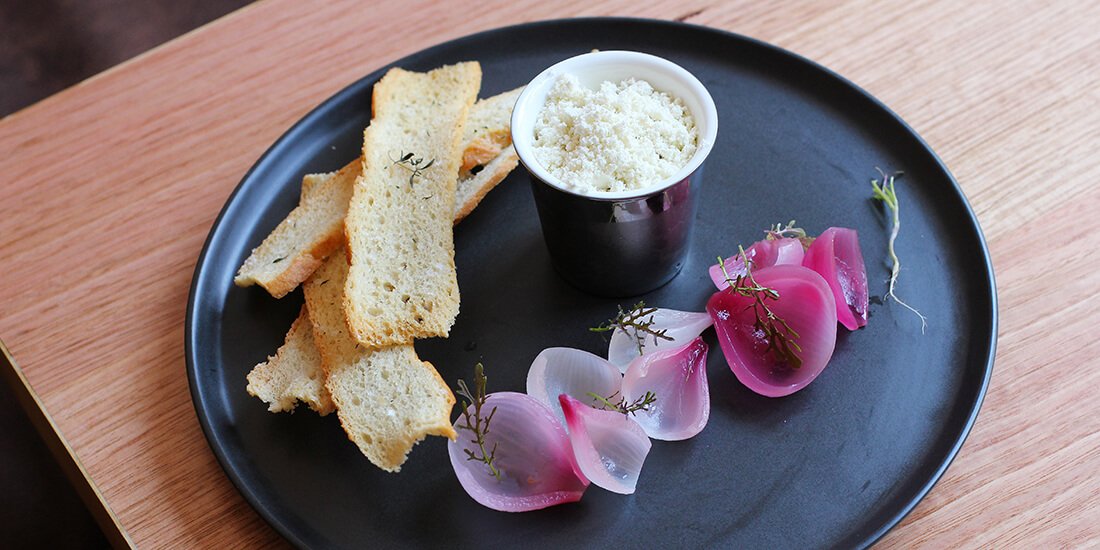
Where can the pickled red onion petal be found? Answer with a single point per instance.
(835, 255)
(681, 326)
(678, 377)
(533, 455)
(765, 253)
(574, 372)
(805, 302)
(609, 446)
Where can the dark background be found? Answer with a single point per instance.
(49, 45)
(45, 47)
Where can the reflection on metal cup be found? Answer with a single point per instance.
(618, 247)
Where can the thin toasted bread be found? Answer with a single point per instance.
(304, 239)
(485, 137)
(387, 399)
(470, 191)
(293, 374)
(291, 252)
(402, 283)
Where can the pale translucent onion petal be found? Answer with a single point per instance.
(678, 379)
(788, 252)
(532, 453)
(681, 326)
(573, 372)
(610, 447)
(805, 302)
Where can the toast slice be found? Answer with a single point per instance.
(473, 188)
(387, 399)
(293, 374)
(402, 283)
(485, 137)
(290, 253)
(305, 238)
(290, 376)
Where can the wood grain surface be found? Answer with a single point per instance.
(111, 187)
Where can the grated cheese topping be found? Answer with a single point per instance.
(624, 136)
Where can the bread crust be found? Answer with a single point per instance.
(484, 181)
(358, 381)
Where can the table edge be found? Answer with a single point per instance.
(62, 451)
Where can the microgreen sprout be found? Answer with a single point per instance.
(884, 191)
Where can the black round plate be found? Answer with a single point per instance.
(837, 464)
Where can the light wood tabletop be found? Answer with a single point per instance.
(111, 187)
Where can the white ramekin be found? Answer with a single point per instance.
(592, 69)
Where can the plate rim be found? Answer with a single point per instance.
(200, 403)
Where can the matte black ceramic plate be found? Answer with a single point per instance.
(837, 464)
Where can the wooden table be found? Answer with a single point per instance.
(110, 188)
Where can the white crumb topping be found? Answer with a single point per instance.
(625, 136)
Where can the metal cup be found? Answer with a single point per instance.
(625, 243)
(622, 247)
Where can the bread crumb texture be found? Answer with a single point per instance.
(387, 399)
(316, 227)
(402, 284)
(294, 374)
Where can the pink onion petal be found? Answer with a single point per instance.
(678, 378)
(765, 253)
(805, 302)
(681, 326)
(533, 455)
(835, 255)
(609, 446)
(574, 372)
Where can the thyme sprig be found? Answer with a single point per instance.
(781, 337)
(790, 231)
(884, 191)
(412, 163)
(477, 423)
(635, 325)
(610, 403)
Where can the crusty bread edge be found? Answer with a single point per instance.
(495, 171)
(303, 265)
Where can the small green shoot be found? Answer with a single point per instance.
(884, 191)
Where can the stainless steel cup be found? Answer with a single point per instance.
(618, 247)
(625, 243)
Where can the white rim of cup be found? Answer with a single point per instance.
(531, 101)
